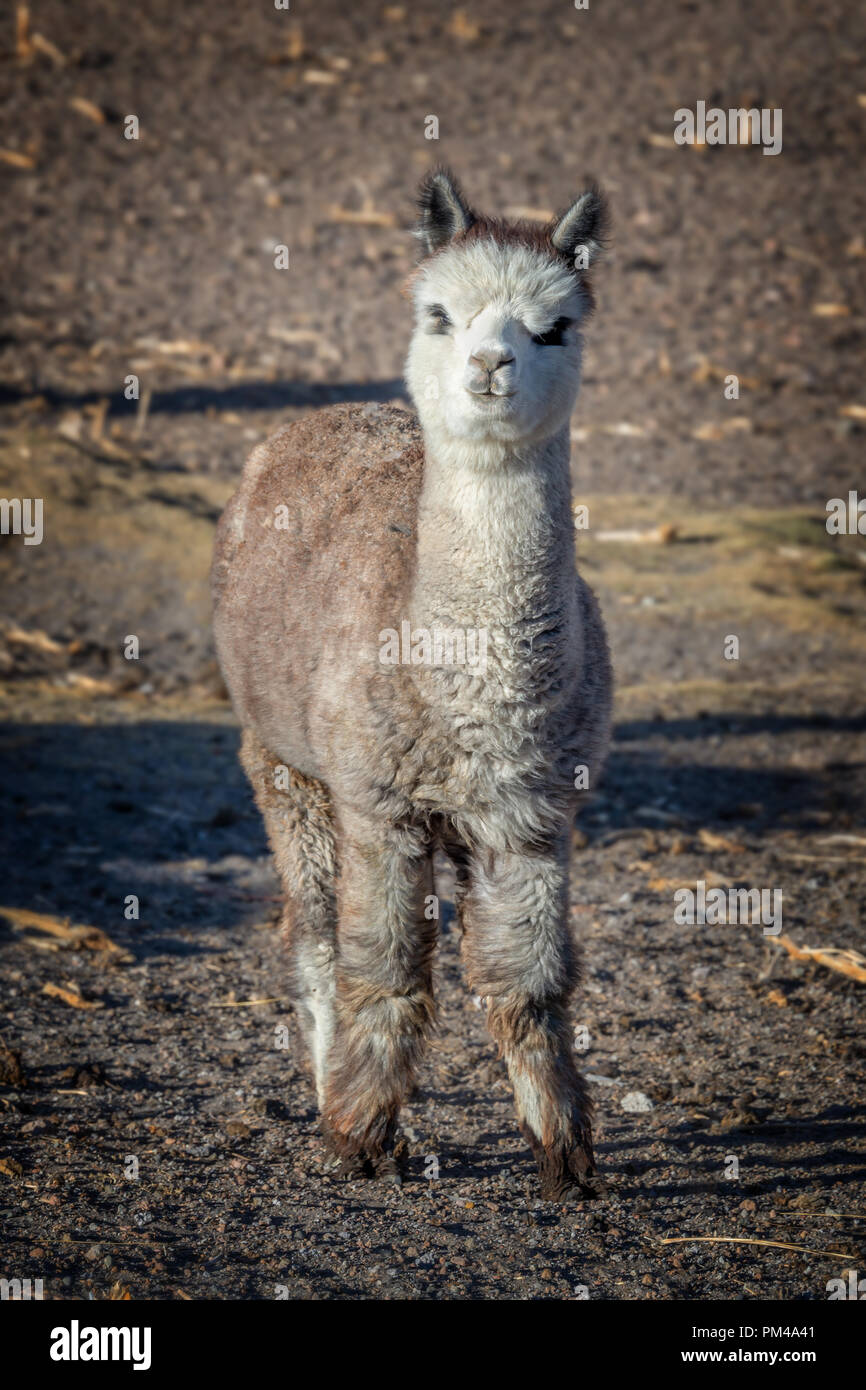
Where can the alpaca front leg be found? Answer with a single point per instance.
(521, 955)
(384, 1000)
(297, 815)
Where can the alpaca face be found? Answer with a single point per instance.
(496, 352)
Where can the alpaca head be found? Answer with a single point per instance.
(496, 351)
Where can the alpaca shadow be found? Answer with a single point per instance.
(831, 1167)
(480, 1158)
(642, 787)
(835, 1136)
(161, 809)
(244, 396)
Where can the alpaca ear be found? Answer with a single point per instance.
(443, 212)
(579, 232)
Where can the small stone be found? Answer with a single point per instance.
(636, 1102)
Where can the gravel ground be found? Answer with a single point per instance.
(157, 1135)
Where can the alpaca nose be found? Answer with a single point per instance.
(490, 356)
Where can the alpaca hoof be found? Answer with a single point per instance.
(350, 1164)
(584, 1183)
(570, 1189)
(348, 1168)
(387, 1170)
(361, 1167)
(567, 1170)
(587, 1189)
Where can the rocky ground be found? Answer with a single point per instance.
(157, 1139)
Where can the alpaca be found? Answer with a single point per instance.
(354, 529)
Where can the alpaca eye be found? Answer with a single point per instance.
(554, 336)
(439, 320)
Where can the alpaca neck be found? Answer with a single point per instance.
(495, 545)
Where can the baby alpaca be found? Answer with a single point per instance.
(416, 664)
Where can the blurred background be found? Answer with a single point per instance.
(153, 258)
(306, 127)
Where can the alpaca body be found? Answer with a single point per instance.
(493, 752)
(356, 523)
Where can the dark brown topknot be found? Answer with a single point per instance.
(574, 238)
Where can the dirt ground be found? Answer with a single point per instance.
(157, 1138)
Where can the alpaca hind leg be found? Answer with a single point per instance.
(300, 829)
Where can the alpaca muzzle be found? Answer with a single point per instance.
(491, 371)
